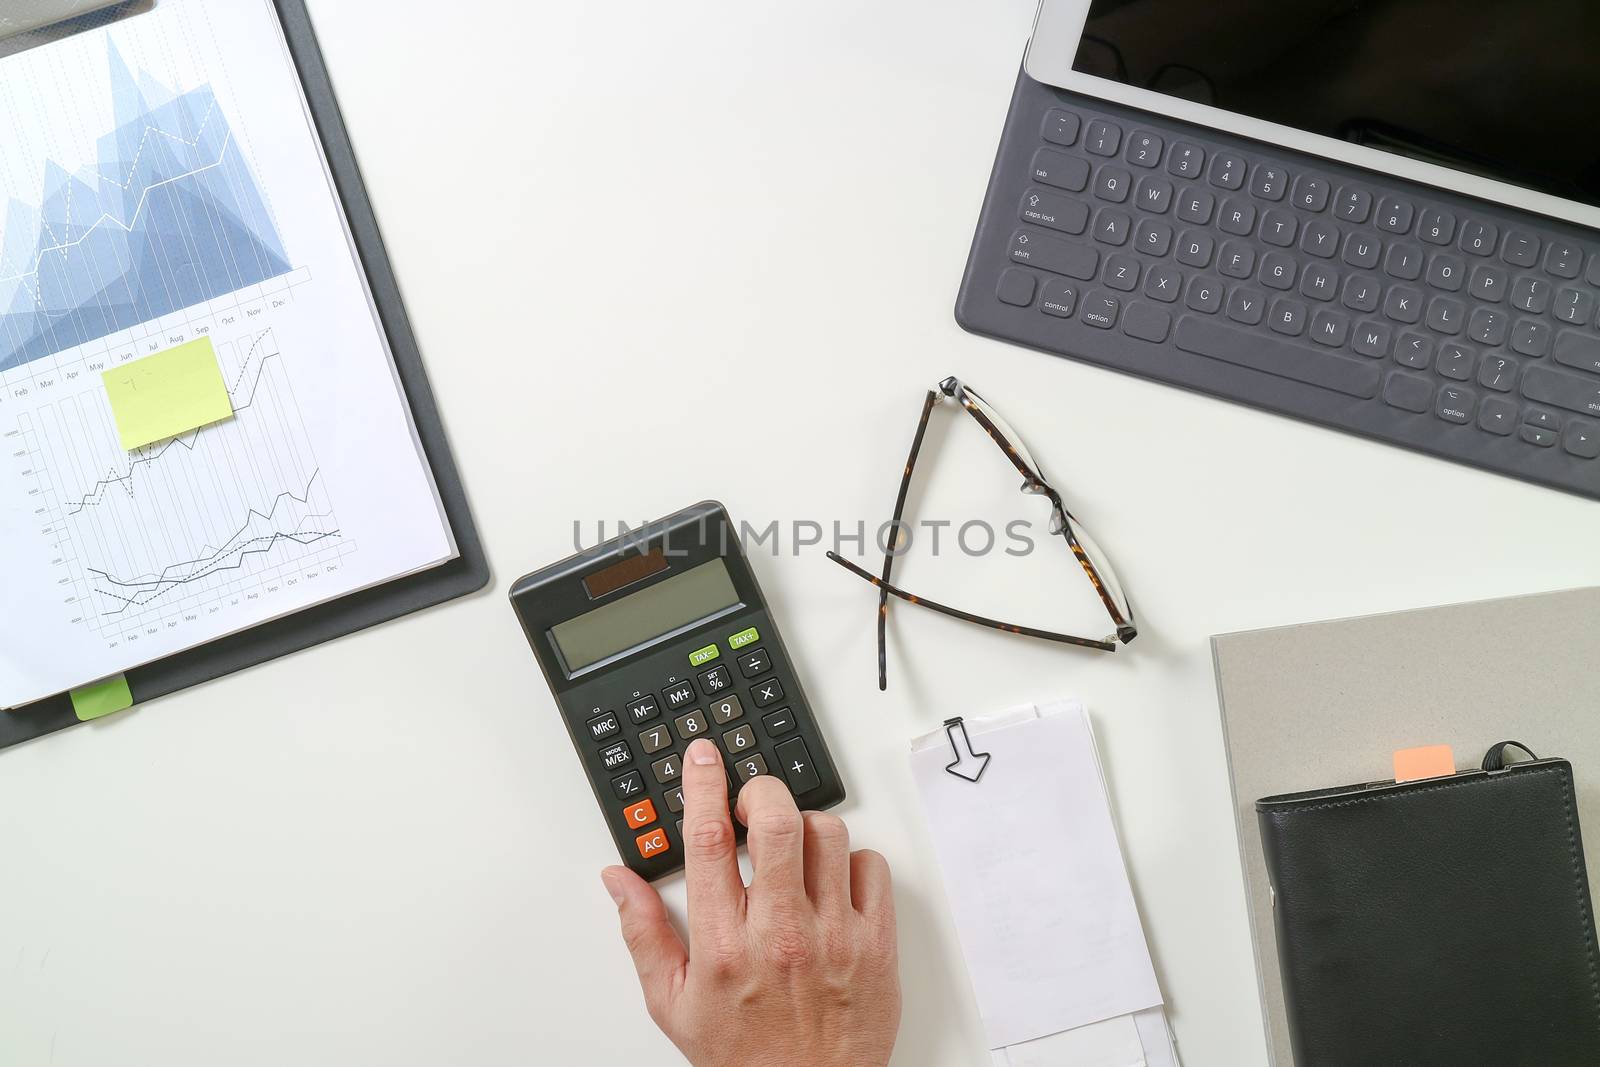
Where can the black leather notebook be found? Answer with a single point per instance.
(1438, 923)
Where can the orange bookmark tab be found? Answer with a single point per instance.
(1430, 761)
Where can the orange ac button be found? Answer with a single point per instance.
(640, 814)
(653, 843)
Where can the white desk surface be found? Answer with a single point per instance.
(655, 253)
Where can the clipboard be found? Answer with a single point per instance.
(466, 574)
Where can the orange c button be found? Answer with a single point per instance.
(640, 814)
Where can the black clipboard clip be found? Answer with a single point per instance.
(968, 765)
(26, 24)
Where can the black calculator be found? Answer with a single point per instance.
(656, 638)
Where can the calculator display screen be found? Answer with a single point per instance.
(1500, 88)
(653, 612)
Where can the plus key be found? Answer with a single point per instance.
(795, 762)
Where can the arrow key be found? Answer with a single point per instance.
(1498, 417)
(795, 761)
(1582, 439)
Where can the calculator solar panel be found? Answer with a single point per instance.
(658, 638)
(1456, 327)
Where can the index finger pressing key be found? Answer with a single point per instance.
(711, 861)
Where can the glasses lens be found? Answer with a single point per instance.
(1102, 565)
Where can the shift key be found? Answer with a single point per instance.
(1568, 391)
(1055, 255)
(1578, 350)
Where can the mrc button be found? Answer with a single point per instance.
(604, 727)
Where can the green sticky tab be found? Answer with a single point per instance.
(102, 699)
(166, 394)
(744, 637)
(703, 655)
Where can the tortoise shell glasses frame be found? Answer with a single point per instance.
(1089, 556)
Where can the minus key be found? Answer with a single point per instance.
(779, 722)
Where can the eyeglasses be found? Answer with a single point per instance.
(1095, 563)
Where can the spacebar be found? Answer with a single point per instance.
(1349, 376)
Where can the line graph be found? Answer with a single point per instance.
(229, 556)
(210, 515)
(169, 216)
(150, 454)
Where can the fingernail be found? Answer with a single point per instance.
(613, 884)
(703, 752)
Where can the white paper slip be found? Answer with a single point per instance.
(1035, 876)
(1139, 1040)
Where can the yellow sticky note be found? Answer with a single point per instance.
(166, 394)
(102, 699)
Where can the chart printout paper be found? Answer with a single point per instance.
(161, 183)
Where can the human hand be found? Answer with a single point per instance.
(800, 967)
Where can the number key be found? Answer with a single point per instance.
(655, 739)
(1395, 215)
(1355, 205)
(1438, 227)
(692, 725)
(1144, 149)
(740, 740)
(726, 710)
(1103, 138)
(1269, 182)
(1186, 160)
(675, 799)
(1227, 171)
(750, 767)
(1479, 238)
(667, 770)
(1310, 194)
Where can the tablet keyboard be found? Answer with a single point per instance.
(1346, 297)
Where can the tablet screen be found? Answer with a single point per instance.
(1506, 89)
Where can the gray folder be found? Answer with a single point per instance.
(1326, 704)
